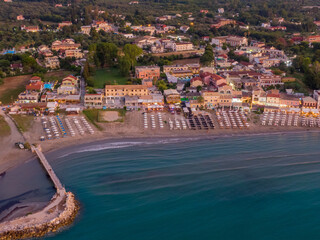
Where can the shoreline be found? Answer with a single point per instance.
(52, 147)
(62, 209)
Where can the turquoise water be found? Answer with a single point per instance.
(258, 187)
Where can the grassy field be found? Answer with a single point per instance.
(24, 122)
(108, 76)
(11, 88)
(55, 76)
(92, 116)
(4, 127)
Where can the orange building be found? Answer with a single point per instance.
(148, 72)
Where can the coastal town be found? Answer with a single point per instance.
(76, 73)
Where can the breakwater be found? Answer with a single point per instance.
(59, 212)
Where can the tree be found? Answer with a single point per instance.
(106, 53)
(132, 52)
(161, 84)
(86, 71)
(124, 65)
(207, 57)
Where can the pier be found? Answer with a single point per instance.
(48, 169)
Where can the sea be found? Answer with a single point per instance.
(241, 187)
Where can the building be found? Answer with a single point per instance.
(36, 85)
(182, 46)
(273, 98)
(316, 96)
(73, 53)
(64, 24)
(172, 96)
(235, 41)
(313, 38)
(211, 98)
(186, 70)
(20, 18)
(52, 62)
(309, 102)
(196, 82)
(30, 28)
(86, 30)
(29, 97)
(147, 72)
(289, 101)
(126, 90)
(66, 44)
(266, 80)
(93, 100)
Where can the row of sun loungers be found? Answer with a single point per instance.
(280, 119)
(231, 119)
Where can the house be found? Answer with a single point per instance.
(35, 85)
(45, 51)
(65, 44)
(235, 41)
(266, 80)
(30, 28)
(172, 96)
(86, 30)
(93, 100)
(147, 72)
(16, 66)
(52, 62)
(221, 10)
(20, 18)
(313, 38)
(73, 53)
(196, 82)
(184, 28)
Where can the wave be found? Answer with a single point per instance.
(116, 145)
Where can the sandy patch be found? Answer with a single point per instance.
(108, 116)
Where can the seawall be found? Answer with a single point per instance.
(60, 211)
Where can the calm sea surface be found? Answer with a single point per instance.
(257, 187)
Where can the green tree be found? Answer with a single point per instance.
(132, 52)
(124, 65)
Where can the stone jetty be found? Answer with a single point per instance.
(60, 211)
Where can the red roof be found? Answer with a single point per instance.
(35, 78)
(35, 86)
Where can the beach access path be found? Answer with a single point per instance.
(8, 149)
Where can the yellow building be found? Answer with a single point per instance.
(126, 90)
(211, 99)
